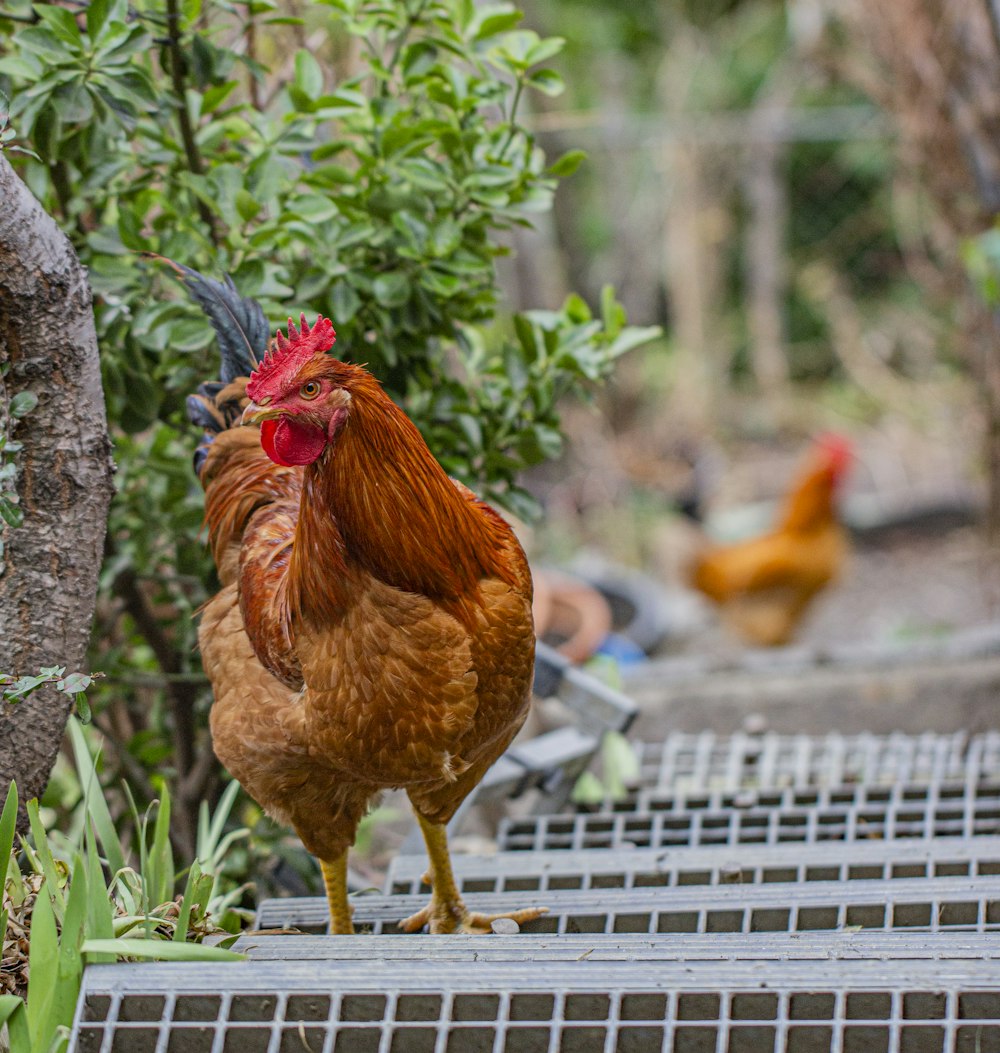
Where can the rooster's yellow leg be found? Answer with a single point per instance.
(446, 912)
(335, 879)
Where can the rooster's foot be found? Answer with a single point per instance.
(454, 917)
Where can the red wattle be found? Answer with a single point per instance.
(267, 430)
(289, 444)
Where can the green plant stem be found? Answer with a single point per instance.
(515, 102)
(253, 85)
(411, 20)
(191, 152)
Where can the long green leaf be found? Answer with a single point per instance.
(43, 966)
(100, 924)
(8, 824)
(14, 1014)
(161, 873)
(97, 808)
(141, 826)
(184, 916)
(45, 858)
(70, 968)
(210, 828)
(162, 950)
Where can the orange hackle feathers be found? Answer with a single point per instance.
(398, 513)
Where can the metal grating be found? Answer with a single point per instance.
(706, 761)
(854, 999)
(934, 905)
(751, 864)
(771, 817)
(897, 946)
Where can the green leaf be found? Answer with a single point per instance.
(43, 966)
(633, 337)
(74, 683)
(567, 164)
(22, 404)
(62, 23)
(14, 1014)
(83, 711)
(247, 206)
(197, 892)
(160, 874)
(97, 16)
(392, 290)
(490, 25)
(12, 515)
(8, 825)
(308, 75)
(160, 950)
(546, 81)
(345, 302)
(99, 923)
(47, 861)
(544, 49)
(70, 966)
(97, 809)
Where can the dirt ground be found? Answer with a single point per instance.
(910, 585)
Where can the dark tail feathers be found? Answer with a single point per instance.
(242, 334)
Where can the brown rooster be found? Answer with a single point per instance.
(764, 586)
(374, 628)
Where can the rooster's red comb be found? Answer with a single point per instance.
(286, 354)
(838, 451)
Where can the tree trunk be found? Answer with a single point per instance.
(48, 584)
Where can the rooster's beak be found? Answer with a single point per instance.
(253, 414)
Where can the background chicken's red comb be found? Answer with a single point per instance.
(839, 450)
(285, 353)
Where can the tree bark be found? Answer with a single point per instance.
(48, 585)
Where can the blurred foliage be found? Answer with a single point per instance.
(345, 157)
(695, 74)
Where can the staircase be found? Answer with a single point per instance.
(753, 893)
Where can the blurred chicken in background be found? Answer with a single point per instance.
(764, 586)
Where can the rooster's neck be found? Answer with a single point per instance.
(377, 501)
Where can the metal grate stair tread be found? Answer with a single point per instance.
(932, 904)
(706, 865)
(856, 996)
(706, 761)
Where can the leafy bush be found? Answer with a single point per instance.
(363, 160)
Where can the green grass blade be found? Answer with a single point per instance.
(141, 825)
(8, 824)
(99, 923)
(45, 859)
(210, 831)
(70, 964)
(161, 874)
(162, 950)
(43, 965)
(14, 1014)
(97, 808)
(193, 889)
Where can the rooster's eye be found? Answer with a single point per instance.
(310, 389)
